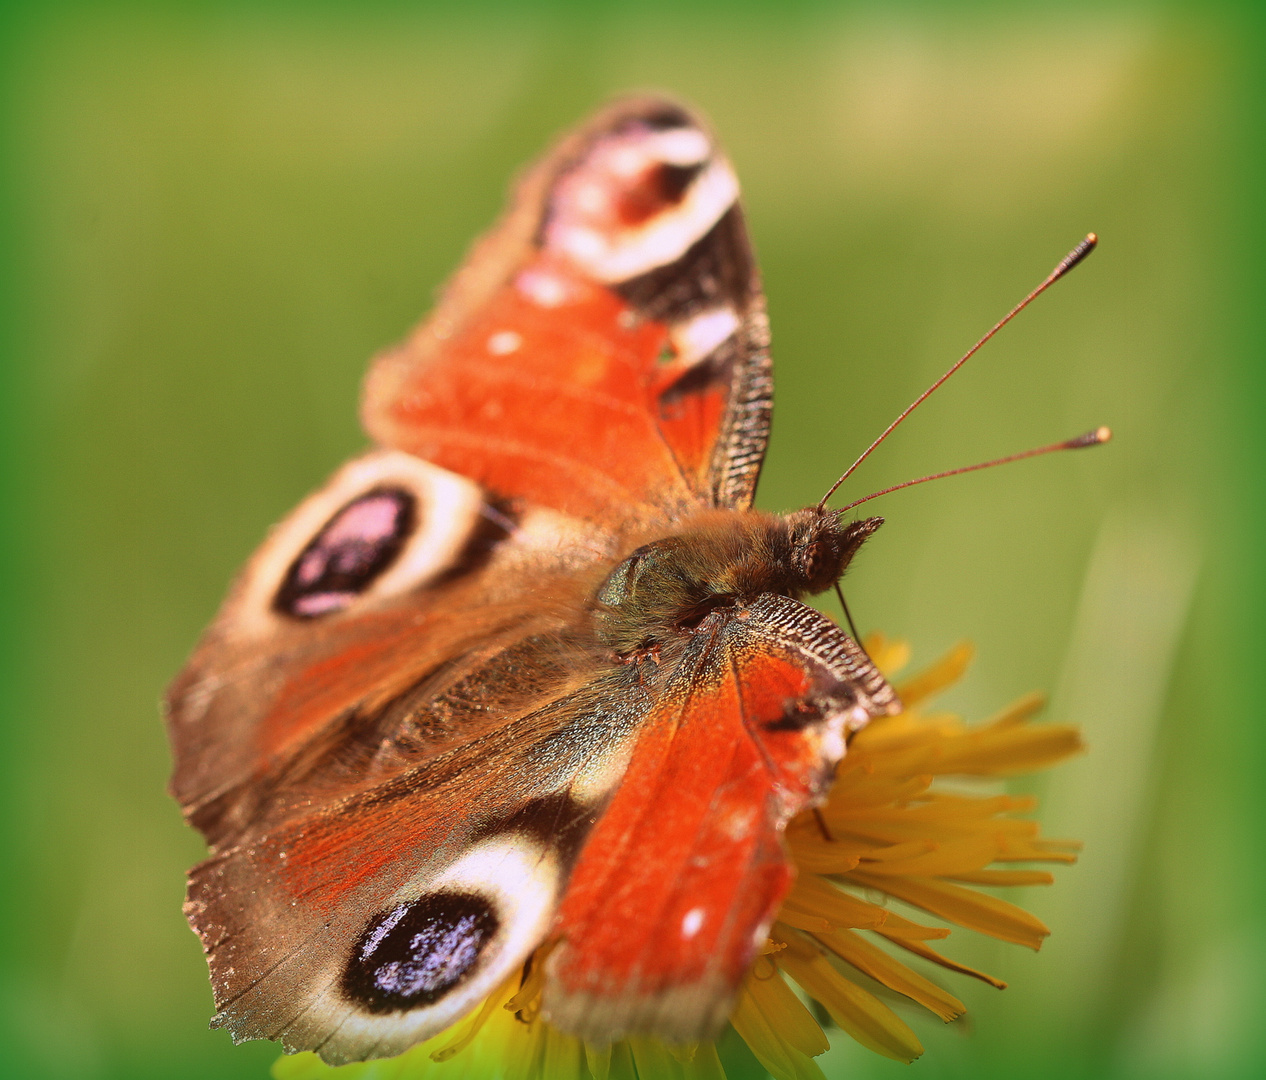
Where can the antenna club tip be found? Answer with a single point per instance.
(1075, 257)
(1091, 438)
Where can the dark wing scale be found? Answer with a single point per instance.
(719, 269)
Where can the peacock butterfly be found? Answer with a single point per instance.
(532, 670)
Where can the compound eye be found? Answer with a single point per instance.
(811, 561)
(349, 553)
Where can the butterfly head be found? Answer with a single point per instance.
(725, 560)
(822, 546)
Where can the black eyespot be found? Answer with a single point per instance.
(664, 118)
(416, 953)
(352, 549)
(796, 716)
(673, 180)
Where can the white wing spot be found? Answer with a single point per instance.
(613, 219)
(691, 923)
(504, 342)
(699, 336)
(681, 146)
(544, 289)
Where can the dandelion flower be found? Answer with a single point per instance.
(888, 830)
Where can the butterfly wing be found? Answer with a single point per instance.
(605, 350)
(393, 578)
(360, 924)
(681, 878)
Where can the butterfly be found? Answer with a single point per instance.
(532, 671)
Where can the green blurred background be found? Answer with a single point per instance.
(213, 216)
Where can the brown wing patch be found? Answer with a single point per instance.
(268, 690)
(467, 851)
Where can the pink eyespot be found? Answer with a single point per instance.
(352, 549)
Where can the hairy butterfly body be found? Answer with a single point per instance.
(532, 671)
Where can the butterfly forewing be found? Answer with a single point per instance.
(605, 352)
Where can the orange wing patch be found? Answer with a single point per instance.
(680, 879)
(552, 404)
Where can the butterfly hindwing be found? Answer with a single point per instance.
(367, 923)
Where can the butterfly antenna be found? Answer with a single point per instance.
(1091, 438)
(1072, 259)
(849, 616)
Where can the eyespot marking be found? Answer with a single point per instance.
(414, 954)
(385, 524)
(350, 552)
(454, 935)
(638, 200)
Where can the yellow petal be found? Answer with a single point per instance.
(967, 907)
(468, 1033)
(819, 856)
(1006, 877)
(1008, 751)
(942, 807)
(900, 852)
(705, 1065)
(867, 789)
(919, 949)
(782, 1060)
(889, 655)
(858, 1012)
(790, 914)
(945, 672)
(563, 1056)
(897, 927)
(1019, 710)
(899, 827)
(946, 859)
(527, 1066)
(814, 896)
(1030, 849)
(880, 966)
(598, 1060)
(621, 1064)
(786, 1012)
(526, 1001)
(652, 1058)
